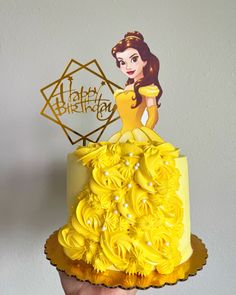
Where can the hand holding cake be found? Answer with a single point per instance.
(72, 286)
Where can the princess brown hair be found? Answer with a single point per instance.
(150, 71)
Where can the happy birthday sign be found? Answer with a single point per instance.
(82, 101)
(81, 97)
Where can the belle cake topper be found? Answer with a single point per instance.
(129, 222)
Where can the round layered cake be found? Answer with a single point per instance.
(128, 207)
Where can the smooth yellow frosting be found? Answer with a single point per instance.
(133, 214)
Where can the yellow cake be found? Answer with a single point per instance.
(128, 198)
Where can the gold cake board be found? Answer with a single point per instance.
(114, 279)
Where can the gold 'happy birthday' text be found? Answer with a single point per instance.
(81, 101)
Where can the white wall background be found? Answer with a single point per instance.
(196, 44)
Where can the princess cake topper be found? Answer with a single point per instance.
(142, 90)
(67, 97)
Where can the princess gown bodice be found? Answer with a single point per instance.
(130, 117)
(132, 127)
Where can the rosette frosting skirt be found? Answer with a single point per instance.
(128, 205)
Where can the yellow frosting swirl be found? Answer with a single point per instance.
(129, 215)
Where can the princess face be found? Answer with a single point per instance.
(130, 63)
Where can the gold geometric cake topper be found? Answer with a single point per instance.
(82, 90)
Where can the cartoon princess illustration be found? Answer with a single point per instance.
(142, 90)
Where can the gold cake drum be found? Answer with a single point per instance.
(114, 279)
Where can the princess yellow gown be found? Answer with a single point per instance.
(131, 117)
(129, 217)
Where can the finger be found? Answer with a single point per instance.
(69, 284)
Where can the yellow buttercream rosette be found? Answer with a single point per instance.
(128, 216)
